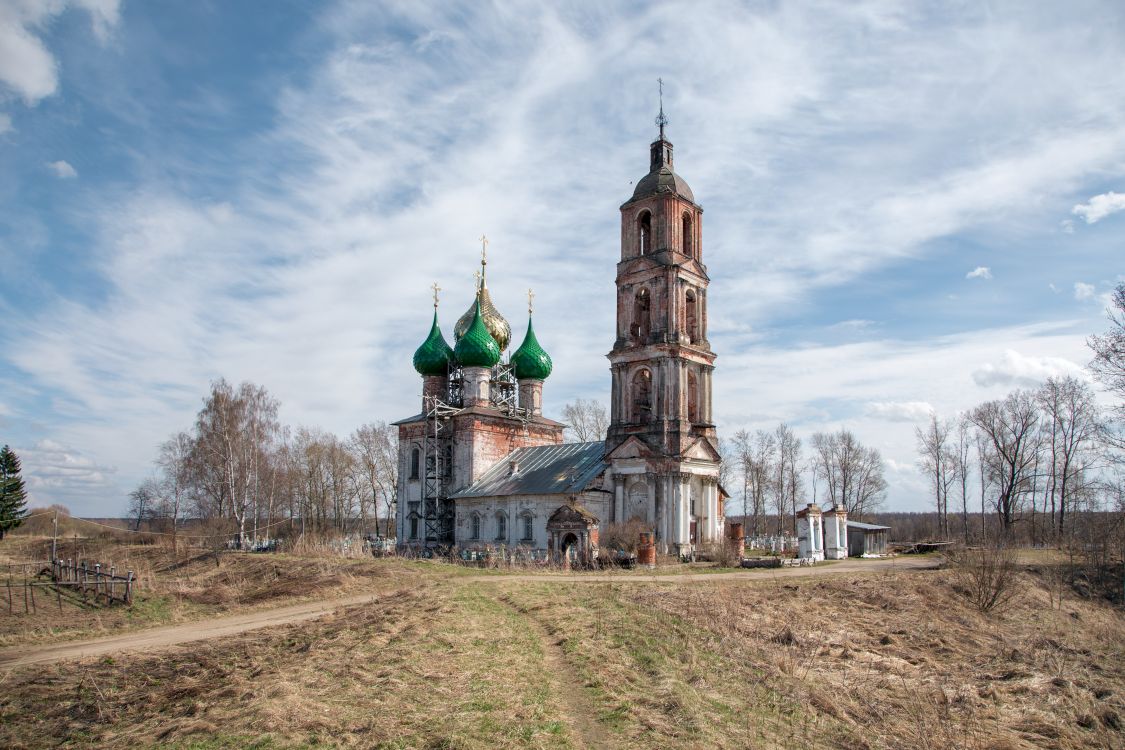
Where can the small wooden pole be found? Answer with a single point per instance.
(97, 580)
(112, 582)
(129, 588)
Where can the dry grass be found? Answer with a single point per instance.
(458, 660)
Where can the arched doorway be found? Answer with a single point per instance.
(570, 548)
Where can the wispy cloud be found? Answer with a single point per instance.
(62, 169)
(1100, 206)
(303, 261)
(27, 66)
(1015, 369)
(900, 411)
(1083, 290)
(980, 272)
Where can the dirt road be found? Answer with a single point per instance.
(160, 638)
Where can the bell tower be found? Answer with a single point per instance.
(661, 362)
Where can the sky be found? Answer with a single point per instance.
(910, 208)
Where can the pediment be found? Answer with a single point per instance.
(702, 450)
(633, 447)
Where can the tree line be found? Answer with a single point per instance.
(771, 476)
(1036, 457)
(240, 469)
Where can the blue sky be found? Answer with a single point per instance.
(909, 206)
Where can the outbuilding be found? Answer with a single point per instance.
(867, 539)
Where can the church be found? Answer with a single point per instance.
(480, 467)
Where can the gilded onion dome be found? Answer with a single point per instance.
(530, 361)
(493, 321)
(477, 348)
(434, 355)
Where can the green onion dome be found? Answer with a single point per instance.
(476, 347)
(530, 361)
(434, 355)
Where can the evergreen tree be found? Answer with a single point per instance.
(13, 494)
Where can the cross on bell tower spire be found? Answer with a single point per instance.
(660, 153)
(661, 120)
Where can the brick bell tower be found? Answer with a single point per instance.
(661, 443)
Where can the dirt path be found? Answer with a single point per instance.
(578, 711)
(171, 635)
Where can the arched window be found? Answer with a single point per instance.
(642, 396)
(692, 398)
(642, 316)
(691, 317)
(501, 527)
(689, 236)
(415, 459)
(528, 528)
(474, 526)
(447, 463)
(644, 232)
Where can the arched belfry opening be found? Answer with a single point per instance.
(688, 234)
(642, 396)
(691, 316)
(692, 398)
(644, 232)
(642, 316)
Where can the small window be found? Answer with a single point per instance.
(528, 531)
(415, 459)
(474, 527)
(644, 232)
(413, 507)
(501, 527)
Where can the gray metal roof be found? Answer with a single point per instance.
(662, 180)
(866, 526)
(544, 470)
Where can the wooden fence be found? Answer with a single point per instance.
(81, 577)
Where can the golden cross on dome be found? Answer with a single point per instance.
(436, 289)
(483, 250)
(530, 297)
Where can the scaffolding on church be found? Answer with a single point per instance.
(437, 446)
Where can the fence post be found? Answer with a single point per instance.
(97, 580)
(129, 588)
(112, 581)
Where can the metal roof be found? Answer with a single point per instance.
(543, 470)
(866, 526)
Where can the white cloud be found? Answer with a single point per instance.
(59, 472)
(1100, 206)
(27, 67)
(1083, 290)
(62, 169)
(980, 272)
(900, 411)
(1015, 369)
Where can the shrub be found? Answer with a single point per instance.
(987, 576)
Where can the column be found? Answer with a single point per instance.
(618, 515)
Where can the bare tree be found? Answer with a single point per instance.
(853, 474)
(1010, 430)
(375, 447)
(586, 420)
(1072, 432)
(175, 466)
(939, 463)
(237, 433)
(1108, 364)
(143, 501)
(787, 474)
(961, 448)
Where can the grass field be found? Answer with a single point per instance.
(449, 658)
